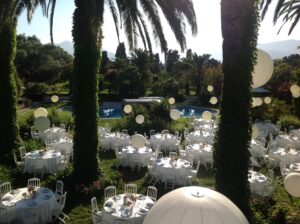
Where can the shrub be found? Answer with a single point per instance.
(36, 88)
(32, 144)
(5, 174)
(25, 120)
(58, 117)
(289, 120)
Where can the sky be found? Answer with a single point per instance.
(208, 40)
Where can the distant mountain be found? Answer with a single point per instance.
(68, 47)
(280, 49)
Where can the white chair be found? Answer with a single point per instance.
(35, 182)
(151, 132)
(109, 191)
(130, 189)
(208, 162)
(97, 215)
(152, 192)
(34, 134)
(59, 190)
(117, 151)
(270, 174)
(38, 167)
(195, 172)
(123, 221)
(30, 215)
(19, 164)
(170, 183)
(5, 188)
(59, 210)
(125, 131)
(136, 162)
(62, 126)
(159, 155)
(22, 151)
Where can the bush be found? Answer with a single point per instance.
(36, 88)
(25, 120)
(58, 117)
(289, 120)
(32, 145)
(5, 174)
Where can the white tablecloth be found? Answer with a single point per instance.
(257, 182)
(179, 169)
(287, 156)
(295, 167)
(164, 141)
(129, 154)
(285, 140)
(199, 152)
(63, 145)
(114, 209)
(265, 128)
(257, 149)
(50, 160)
(109, 140)
(200, 123)
(52, 134)
(17, 204)
(200, 136)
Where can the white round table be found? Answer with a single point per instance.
(178, 169)
(285, 140)
(257, 149)
(257, 182)
(200, 136)
(114, 209)
(199, 151)
(287, 156)
(17, 204)
(120, 139)
(50, 160)
(63, 145)
(164, 141)
(129, 154)
(52, 134)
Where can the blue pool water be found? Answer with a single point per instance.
(115, 111)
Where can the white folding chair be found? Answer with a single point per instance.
(34, 134)
(195, 172)
(208, 162)
(59, 190)
(59, 212)
(130, 189)
(22, 151)
(96, 213)
(109, 191)
(136, 162)
(5, 188)
(35, 182)
(152, 192)
(38, 167)
(19, 164)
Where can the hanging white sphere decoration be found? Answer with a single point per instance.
(138, 141)
(40, 112)
(253, 102)
(263, 69)
(210, 88)
(213, 100)
(296, 95)
(267, 100)
(127, 109)
(258, 101)
(41, 123)
(292, 184)
(54, 99)
(139, 119)
(175, 114)
(206, 116)
(171, 100)
(295, 88)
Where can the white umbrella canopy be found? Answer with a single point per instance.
(194, 205)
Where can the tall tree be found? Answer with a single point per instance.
(87, 36)
(231, 155)
(121, 51)
(9, 131)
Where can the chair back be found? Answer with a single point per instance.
(159, 155)
(94, 205)
(22, 151)
(152, 192)
(5, 188)
(125, 131)
(59, 190)
(35, 182)
(62, 126)
(151, 132)
(62, 201)
(130, 189)
(109, 191)
(198, 167)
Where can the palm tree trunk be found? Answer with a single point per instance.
(231, 155)
(87, 22)
(9, 131)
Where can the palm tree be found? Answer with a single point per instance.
(288, 9)
(9, 131)
(87, 37)
(231, 155)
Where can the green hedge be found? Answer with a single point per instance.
(289, 120)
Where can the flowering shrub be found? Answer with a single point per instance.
(92, 189)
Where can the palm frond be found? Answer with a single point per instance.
(146, 34)
(52, 4)
(114, 14)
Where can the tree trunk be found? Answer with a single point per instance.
(231, 155)
(87, 37)
(9, 131)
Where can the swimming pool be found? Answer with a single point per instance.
(115, 110)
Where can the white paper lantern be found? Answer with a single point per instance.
(138, 141)
(213, 100)
(210, 88)
(258, 101)
(175, 114)
(292, 184)
(54, 99)
(40, 112)
(296, 94)
(267, 100)
(127, 109)
(295, 89)
(171, 100)
(139, 119)
(206, 116)
(263, 69)
(194, 205)
(41, 123)
(253, 102)
(255, 132)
